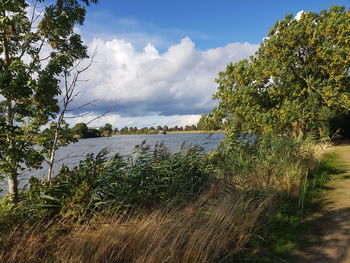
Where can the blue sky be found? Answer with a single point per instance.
(157, 60)
(208, 23)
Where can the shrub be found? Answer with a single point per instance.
(150, 178)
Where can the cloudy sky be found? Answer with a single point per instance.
(157, 60)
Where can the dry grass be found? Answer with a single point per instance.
(217, 225)
(209, 229)
(28, 244)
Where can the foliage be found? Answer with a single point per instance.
(148, 179)
(46, 137)
(300, 72)
(106, 130)
(207, 122)
(29, 80)
(80, 129)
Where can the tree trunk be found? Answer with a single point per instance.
(13, 186)
(12, 176)
(52, 155)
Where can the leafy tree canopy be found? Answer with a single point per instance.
(297, 79)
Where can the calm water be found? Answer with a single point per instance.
(123, 144)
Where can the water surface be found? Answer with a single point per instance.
(123, 144)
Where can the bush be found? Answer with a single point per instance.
(148, 179)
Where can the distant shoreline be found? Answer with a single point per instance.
(198, 131)
(174, 132)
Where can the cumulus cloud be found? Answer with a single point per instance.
(179, 81)
(141, 121)
(298, 15)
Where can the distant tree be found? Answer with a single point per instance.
(80, 129)
(93, 133)
(176, 128)
(106, 130)
(165, 128)
(144, 130)
(124, 130)
(152, 130)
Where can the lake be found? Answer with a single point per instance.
(123, 144)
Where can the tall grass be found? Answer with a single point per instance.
(158, 206)
(215, 226)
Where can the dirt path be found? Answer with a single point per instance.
(328, 237)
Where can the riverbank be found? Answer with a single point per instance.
(159, 206)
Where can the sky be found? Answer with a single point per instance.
(157, 60)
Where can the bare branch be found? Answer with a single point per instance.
(78, 116)
(99, 116)
(82, 106)
(69, 95)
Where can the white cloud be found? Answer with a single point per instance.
(298, 15)
(144, 121)
(133, 83)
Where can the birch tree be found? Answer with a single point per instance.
(28, 79)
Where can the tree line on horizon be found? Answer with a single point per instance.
(81, 130)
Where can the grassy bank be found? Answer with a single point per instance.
(287, 229)
(157, 206)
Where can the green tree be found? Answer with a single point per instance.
(93, 133)
(80, 129)
(29, 81)
(297, 79)
(106, 130)
(124, 130)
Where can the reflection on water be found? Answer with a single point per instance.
(124, 144)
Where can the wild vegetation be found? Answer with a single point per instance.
(158, 206)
